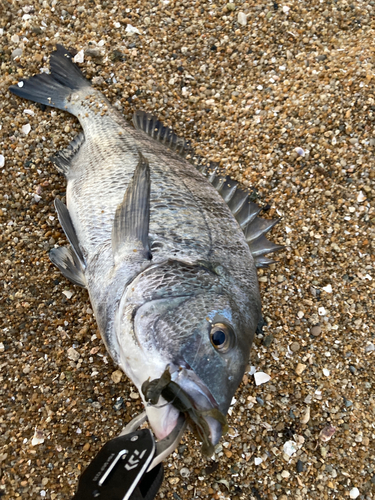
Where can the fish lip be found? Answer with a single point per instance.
(200, 396)
(189, 373)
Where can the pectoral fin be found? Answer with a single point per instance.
(132, 217)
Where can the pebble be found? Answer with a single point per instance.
(173, 480)
(117, 376)
(354, 493)
(300, 368)
(268, 339)
(16, 53)
(118, 404)
(73, 354)
(370, 347)
(316, 330)
(242, 18)
(295, 346)
(300, 466)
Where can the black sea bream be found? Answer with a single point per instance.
(167, 250)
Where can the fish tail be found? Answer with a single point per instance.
(54, 89)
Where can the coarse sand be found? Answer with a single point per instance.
(283, 95)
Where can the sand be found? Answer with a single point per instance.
(283, 96)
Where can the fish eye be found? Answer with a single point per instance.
(221, 337)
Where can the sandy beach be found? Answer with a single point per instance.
(283, 96)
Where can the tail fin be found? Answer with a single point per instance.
(54, 89)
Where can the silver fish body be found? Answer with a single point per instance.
(170, 273)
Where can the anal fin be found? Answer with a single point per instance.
(67, 225)
(63, 159)
(67, 261)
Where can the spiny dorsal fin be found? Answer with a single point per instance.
(132, 217)
(63, 159)
(155, 129)
(67, 225)
(245, 212)
(70, 266)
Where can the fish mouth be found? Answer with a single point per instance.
(192, 398)
(201, 398)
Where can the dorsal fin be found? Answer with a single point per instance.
(63, 159)
(67, 225)
(155, 129)
(246, 213)
(70, 266)
(132, 217)
(237, 199)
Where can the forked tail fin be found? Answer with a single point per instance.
(54, 89)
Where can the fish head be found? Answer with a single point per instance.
(204, 338)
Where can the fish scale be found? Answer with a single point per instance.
(167, 250)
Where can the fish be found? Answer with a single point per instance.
(166, 245)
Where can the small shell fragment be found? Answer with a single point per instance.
(68, 294)
(289, 448)
(79, 57)
(261, 378)
(38, 437)
(326, 372)
(328, 288)
(2, 161)
(326, 433)
(361, 197)
(26, 128)
(300, 151)
(306, 416)
(321, 311)
(258, 460)
(132, 29)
